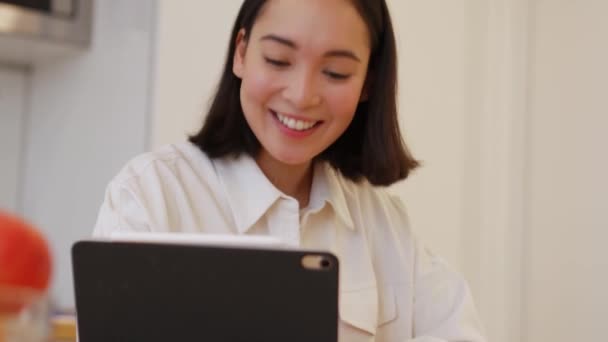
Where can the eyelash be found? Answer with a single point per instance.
(276, 63)
(336, 76)
(281, 64)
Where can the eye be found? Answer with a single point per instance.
(276, 62)
(336, 76)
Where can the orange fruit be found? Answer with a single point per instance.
(25, 263)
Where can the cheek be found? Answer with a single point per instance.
(257, 86)
(343, 102)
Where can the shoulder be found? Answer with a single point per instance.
(375, 210)
(169, 161)
(172, 187)
(375, 200)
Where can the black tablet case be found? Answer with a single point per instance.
(146, 292)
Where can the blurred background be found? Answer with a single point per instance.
(505, 102)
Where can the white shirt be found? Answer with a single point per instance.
(391, 288)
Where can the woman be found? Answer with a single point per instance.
(301, 134)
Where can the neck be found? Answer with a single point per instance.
(292, 180)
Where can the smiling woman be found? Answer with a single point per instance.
(299, 139)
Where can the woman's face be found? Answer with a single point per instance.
(303, 69)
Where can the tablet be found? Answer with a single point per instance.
(215, 288)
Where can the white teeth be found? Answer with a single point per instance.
(296, 125)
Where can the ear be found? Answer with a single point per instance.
(238, 62)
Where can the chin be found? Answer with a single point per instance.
(292, 159)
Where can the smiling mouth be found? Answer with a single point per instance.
(294, 124)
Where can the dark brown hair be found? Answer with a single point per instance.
(371, 147)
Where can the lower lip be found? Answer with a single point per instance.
(293, 133)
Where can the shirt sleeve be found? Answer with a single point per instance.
(443, 306)
(120, 211)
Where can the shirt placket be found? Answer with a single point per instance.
(284, 221)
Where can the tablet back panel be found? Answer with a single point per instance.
(155, 292)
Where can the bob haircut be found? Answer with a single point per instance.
(371, 148)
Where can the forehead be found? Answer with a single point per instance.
(314, 24)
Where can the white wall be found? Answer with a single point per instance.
(12, 100)
(192, 42)
(86, 117)
(566, 269)
(431, 41)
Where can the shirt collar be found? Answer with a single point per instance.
(250, 194)
(327, 188)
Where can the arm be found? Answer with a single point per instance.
(122, 211)
(443, 307)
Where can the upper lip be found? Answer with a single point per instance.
(296, 117)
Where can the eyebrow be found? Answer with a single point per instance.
(291, 44)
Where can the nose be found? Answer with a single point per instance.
(302, 91)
